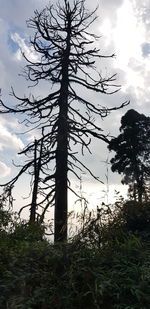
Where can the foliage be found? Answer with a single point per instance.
(136, 215)
(132, 147)
(111, 273)
(5, 214)
(28, 231)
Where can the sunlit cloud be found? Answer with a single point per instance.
(9, 140)
(4, 170)
(23, 48)
(129, 36)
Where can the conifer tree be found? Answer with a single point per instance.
(132, 158)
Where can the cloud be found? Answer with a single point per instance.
(9, 140)
(24, 48)
(129, 36)
(3, 76)
(124, 26)
(145, 49)
(16, 12)
(4, 170)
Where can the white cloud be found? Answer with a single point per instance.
(3, 77)
(4, 170)
(9, 140)
(28, 51)
(127, 34)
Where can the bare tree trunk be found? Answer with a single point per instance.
(61, 197)
(61, 201)
(37, 167)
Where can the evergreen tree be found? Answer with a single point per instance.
(132, 147)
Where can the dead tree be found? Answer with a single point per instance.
(68, 58)
(36, 173)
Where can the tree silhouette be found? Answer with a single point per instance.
(67, 59)
(132, 149)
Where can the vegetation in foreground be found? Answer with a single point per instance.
(106, 265)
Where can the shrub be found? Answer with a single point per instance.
(136, 215)
(105, 266)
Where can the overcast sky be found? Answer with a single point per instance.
(124, 27)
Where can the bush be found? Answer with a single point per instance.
(40, 275)
(136, 215)
(29, 231)
(105, 266)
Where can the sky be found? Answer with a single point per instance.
(124, 29)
